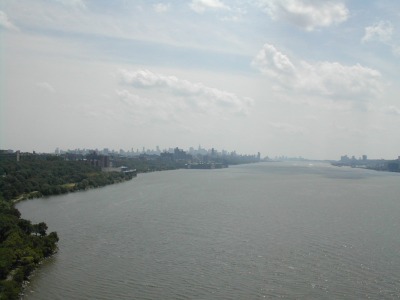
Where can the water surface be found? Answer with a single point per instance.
(268, 230)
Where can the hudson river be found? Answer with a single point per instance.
(268, 230)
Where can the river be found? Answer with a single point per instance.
(268, 230)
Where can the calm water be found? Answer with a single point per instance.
(247, 232)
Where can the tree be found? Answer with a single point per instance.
(6, 260)
(25, 226)
(40, 228)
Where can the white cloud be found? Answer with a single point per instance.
(72, 3)
(200, 6)
(391, 110)
(236, 14)
(6, 23)
(161, 7)
(381, 31)
(287, 128)
(146, 110)
(328, 79)
(307, 14)
(274, 63)
(196, 95)
(46, 86)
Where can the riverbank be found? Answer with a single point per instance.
(370, 164)
(23, 246)
(71, 189)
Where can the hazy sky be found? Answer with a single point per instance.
(310, 78)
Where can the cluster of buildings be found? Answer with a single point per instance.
(132, 153)
(172, 154)
(104, 158)
(374, 164)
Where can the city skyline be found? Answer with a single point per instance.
(295, 78)
(199, 150)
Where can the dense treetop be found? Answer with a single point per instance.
(37, 175)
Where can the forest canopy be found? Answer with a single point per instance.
(43, 175)
(23, 246)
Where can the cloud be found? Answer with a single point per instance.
(391, 110)
(274, 63)
(161, 7)
(196, 95)
(381, 31)
(6, 23)
(73, 3)
(46, 86)
(328, 79)
(201, 6)
(148, 110)
(306, 14)
(287, 128)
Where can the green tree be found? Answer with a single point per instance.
(40, 228)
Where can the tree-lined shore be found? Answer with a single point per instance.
(24, 245)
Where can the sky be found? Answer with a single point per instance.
(309, 78)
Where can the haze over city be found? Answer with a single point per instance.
(317, 79)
